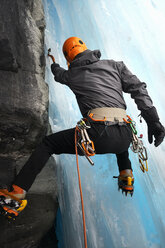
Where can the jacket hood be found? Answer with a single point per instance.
(85, 58)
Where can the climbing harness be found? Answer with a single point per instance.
(11, 207)
(109, 116)
(137, 145)
(83, 141)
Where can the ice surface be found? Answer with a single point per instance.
(132, 31)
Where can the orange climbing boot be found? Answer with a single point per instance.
(126, 181)
(15, 192)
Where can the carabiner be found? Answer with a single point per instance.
(143, 157)
(131, 123)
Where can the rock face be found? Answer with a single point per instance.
(23, 93)
(24, 118)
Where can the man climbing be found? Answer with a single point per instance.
(98, 86)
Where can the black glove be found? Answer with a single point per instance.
(53, 67)
(155, 128)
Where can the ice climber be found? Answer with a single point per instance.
(98, 86)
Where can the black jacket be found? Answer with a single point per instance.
(101, 83)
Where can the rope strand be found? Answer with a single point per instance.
(80, 188)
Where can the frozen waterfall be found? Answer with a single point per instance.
(132, 31)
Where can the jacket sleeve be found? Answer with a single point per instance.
(131, 84)
(60, 74)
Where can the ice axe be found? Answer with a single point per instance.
(52, 57)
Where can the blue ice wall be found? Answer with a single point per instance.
(132, 31)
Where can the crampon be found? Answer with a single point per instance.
(125, 184)
(11, 207)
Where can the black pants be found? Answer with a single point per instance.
(107, 139)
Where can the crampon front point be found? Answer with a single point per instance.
(11, 208)
(125, 184)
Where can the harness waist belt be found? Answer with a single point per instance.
(107, 114)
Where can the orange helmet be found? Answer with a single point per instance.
(73, 46)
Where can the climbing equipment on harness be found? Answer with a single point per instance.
(83, 141)
(137, 145)
(11, 206)
(51, 56)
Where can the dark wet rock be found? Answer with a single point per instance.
(24, 118)
(24, 93)
(7, 61)
(49, 240)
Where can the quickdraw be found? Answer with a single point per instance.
(137, 145)
(83, 141)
